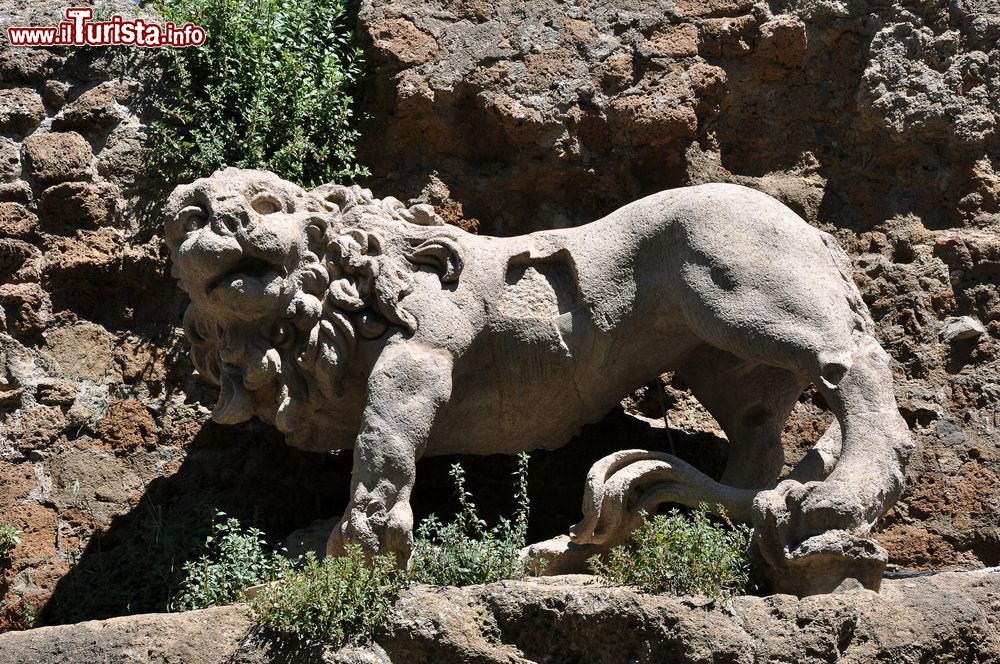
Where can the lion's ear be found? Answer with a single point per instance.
(443, 254)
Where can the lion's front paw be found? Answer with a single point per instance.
(353, 529)
(376, 534)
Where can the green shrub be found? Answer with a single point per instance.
(464, 552)
(9, 538)
(681, 555)
(233, 560)
(338, 600)
(271, 88)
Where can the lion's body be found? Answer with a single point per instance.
(553, 328)
(353, 322)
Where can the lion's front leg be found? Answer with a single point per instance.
(408, 385)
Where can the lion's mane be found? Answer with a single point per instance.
(350, 286)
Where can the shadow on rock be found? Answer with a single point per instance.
(249, 473)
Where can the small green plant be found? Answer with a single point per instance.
(272, 87)
(233, 560)
(337, 600)
(9, 538)
(464, 552)
(29, 615)
(681, 555)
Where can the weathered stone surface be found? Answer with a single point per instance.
(688, 280)
(97, 109)
(208, 636)
(10, 160)
(34, 428)
(21, 110)
(16, 221)
(126, 426)
(58, 156)
(123, 159)
(961, 328)
(26, 309)
(71, 205)
(19, 261)
(56, 393)
(27, 65)
(82, 351)
(947, 618)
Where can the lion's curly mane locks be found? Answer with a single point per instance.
(350, 285)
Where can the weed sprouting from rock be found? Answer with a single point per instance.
(465, 552)
(682, 555)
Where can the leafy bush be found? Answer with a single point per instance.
(271, 88)
(681, 555)
(464, 552)
(9, 538)
(338, 600)
(233, 560)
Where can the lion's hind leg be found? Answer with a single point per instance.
(802, 314)
(751, 402)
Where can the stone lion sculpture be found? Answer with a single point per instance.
(348, 321)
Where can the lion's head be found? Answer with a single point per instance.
(285, 283)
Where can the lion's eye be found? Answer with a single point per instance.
(192, 218)
(281, 335)
(266, 204)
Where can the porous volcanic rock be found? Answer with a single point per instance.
(875, 121)
(947, 617)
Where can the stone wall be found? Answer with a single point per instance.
(875, 121)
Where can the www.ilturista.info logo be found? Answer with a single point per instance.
(79, 30)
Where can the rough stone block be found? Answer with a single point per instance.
(58, 156)
(97, 109)
(16, 221)
(21, 110)
(71, 205)
(10, 160)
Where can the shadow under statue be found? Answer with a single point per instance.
(353, 322)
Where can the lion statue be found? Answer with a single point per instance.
(353, 322)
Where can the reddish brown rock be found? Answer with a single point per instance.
(127, 426)
(783, 41)
(713, 7)
(21, 110)
(99, 250)
(27, 65)
(727, 37)
(71, 205)
(674, 41)
(10, 160)
(17, 191)
(19, 261)
(97, 109)
(658, 117)
(398, 41)
(55, 157)
(16, 481)
(34, 428)
(27, 308)
(915, 548)
(16, 221)
(55, 393)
